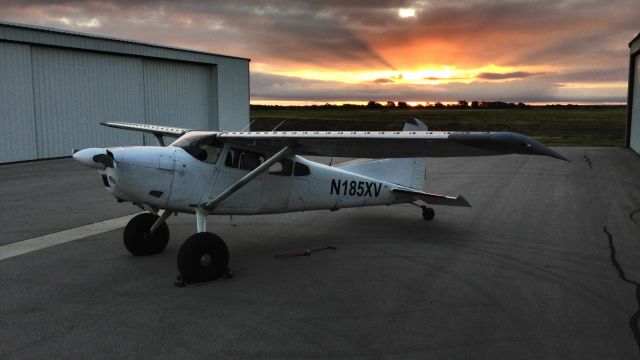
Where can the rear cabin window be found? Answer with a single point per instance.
(301, 170)
(283, 167)
(243, 159)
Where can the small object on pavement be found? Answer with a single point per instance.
(302, 253)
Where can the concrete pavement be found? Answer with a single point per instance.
(526, 273)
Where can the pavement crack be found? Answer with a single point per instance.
(633, 216)
(633, 320)
(586, 158)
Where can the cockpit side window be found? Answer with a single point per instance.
(243, 159)
(202, 146)
(301, 170)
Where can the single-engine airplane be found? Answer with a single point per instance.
(218, 172)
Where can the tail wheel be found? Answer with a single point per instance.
(139, 241)
(203, 257)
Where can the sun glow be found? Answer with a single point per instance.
(406, 12)
(427, 75)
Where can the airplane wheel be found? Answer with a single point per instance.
(203, 257)
(139, 241)
(428, 213)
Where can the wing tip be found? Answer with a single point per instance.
(462, 201)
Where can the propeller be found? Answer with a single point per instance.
(97, 158)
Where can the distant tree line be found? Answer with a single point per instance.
(461, 104)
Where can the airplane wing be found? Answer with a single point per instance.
(369, 144)
(153, 129)
(391, 144)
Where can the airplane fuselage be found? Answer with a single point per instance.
(171, 178)
(209, 172)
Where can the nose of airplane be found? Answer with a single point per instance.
(97, 158)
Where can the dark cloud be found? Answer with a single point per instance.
(595, 75)
(577, 40)
(504, 76)
(436, 78)
(289, 30)
(383, 81)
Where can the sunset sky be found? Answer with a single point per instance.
(416, 51)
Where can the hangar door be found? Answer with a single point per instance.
(75, 90)
(635, 112)
(178, 94)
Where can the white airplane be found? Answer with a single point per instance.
(215, 173)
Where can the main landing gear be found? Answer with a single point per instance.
(202, 257)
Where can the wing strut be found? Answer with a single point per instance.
(159, 139)
(285, 151)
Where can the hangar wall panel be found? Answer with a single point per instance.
(18, 134)
(76, 90)
(178, 94)
(233, 94)
(634, 142)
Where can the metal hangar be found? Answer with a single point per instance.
(633, 98)
(57, 86)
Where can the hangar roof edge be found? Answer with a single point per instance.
(634, 40)
(45, 29)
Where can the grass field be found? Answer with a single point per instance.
(553, 126)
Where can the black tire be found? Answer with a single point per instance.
(203, 257)
(428, 213)
(139, 241)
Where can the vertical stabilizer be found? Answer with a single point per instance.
(409, 172)
(418, 166)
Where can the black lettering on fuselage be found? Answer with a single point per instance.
(378, 187)
(355, 188)
(335, 187)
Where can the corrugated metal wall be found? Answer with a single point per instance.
(75, 90)
(634, 139)
(57, 86)
(17, 122)
(52, 99)
(178, 94)
(233, 94)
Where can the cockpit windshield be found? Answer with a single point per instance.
(202, 145)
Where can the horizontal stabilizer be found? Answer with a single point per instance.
(435, 199)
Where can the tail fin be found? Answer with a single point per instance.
(409, 172)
